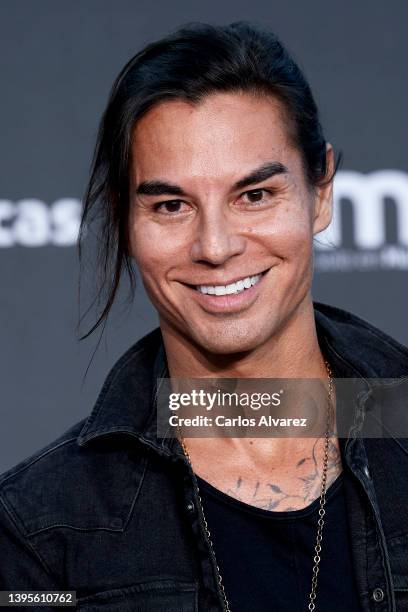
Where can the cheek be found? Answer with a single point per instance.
(297, 240)
(288, 235)
(153, 247)
(294, 223)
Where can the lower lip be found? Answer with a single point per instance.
(233, 302)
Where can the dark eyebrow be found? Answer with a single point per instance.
(261, 174)
(158, 188)
(264, 172)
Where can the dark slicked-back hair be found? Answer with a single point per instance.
(191, 63)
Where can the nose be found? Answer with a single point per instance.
(217, 238)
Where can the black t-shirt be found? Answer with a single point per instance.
(266, 557)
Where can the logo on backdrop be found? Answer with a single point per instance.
(369, 230)
(33, 223)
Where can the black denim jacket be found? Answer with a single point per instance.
(110, 511)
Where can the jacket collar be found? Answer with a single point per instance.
(353, 347)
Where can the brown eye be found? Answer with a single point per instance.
(255, 196)
(172, 206)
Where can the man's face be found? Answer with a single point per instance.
(218, 195)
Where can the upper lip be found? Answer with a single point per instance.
(224, 283)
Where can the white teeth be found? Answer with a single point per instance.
(237, 287)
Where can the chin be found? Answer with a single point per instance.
(229, 338)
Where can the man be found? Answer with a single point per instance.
(212, 174)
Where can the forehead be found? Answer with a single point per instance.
(221, 135)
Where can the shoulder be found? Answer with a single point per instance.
(41, 459)
(87, 485)
(66, 484)
(369, 349)
(27, 487)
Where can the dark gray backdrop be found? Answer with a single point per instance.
(57, 63)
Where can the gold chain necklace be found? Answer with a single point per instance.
(322, 511)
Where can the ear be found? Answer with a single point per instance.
(323, 203)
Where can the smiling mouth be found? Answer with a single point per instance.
(239, 286)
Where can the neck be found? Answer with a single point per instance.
(292, 352)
